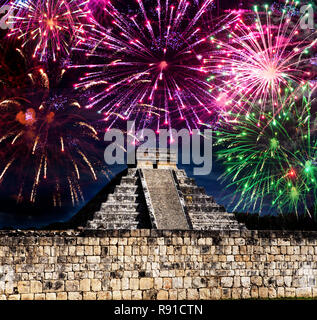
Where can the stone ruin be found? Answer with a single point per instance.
(154, 194)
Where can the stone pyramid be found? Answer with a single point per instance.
(155, 195)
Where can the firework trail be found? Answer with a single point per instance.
(13, 71)
(265, 54)
(150, 66)
(48, 27)
(46, 140)
(273, 157)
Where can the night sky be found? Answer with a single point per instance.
(41, 213)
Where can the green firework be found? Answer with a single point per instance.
(272, 158)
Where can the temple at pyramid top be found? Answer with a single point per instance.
(153, 158)
(154, 194)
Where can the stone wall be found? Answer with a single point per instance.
(151, 264)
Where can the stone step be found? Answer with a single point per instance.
(180, 173)
(128, 185)
(122, 198)
(215, 227)
(205, 208)
(128, 180)
(212, 221)
(113, 206)
(164, 199)
(113, 214)
(187, 183)
(212, 213)
(201, 203)
(132, 172)
(112, 226)
(116, 216)
(121, 218)
(189, 191)
(212, 217)
(217, 222)
(126, 190)
(195, 198)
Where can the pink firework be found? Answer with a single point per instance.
(48, 26)
(265, 55)
(149, 65)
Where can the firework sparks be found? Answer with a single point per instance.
(48, 26)
(270, 156)
(265, 54)
(154, 58)
(47, 141)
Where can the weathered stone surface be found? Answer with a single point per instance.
(155, 198)
(164, 198)
(146, 283)
(185, 271)
(84, 285)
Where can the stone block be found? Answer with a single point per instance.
(126, 295)
(50, 296)
(23, 287)
(226, 282)
(177, 283)
(14, 297)
(84, 285)
(256, 280)
(136, 295)
(95, 285)
(173, 294)
(72, 285)
(104, 295)
(35, 286)
(215, 293)
(89, 296)
(263, 292)
(134, 284)
(27, 296)
(280, 292)
(93, 259)
(246, 293)
(75, 296)
(146, 283)
(204, 294)
(162, 295)
(116, 295)
(303, 292)
(236, 293)
(39, 296)
(245, 282)
(115, 284)
(61, 296)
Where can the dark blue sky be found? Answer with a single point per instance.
(40, 215)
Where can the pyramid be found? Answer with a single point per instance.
(155, 194)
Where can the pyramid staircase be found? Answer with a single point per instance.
(125, 208)
(156, 195)
(204, 213)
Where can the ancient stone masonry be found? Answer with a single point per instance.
(125, 208)
(157, 264)
(203, 211)
(157, 195)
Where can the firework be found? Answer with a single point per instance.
(48, 26)
(149, 65)
(264, 53)
(45, 140)
(13, 71)
(273, 157)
